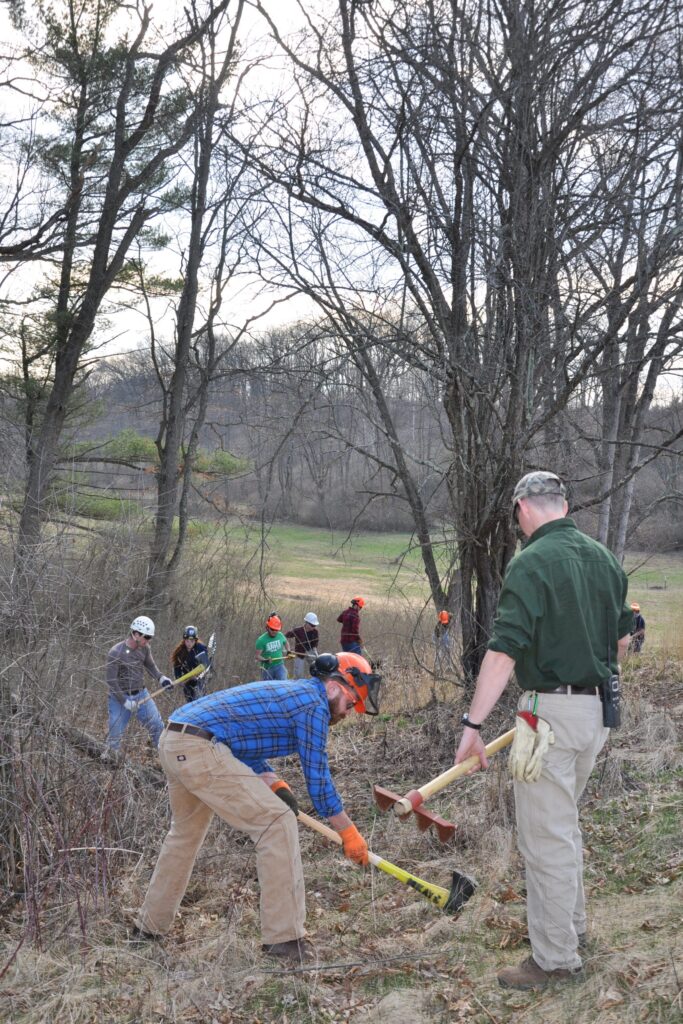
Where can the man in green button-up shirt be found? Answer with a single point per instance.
(562, 624)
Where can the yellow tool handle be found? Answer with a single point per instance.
(197, 670)
(436, 894)
(404, 806)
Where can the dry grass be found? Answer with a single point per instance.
(385, 954)
(383, 951)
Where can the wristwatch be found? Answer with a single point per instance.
(465, 720)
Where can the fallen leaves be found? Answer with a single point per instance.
(514, 931)
(609, 997)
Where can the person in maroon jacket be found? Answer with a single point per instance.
(350, 631)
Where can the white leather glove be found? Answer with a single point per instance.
(130, 704)
(165, 681)
(533, 736)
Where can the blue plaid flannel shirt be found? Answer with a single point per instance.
(273, 719)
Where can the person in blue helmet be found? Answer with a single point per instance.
(189, 653)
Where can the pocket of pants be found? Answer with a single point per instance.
(189, 760)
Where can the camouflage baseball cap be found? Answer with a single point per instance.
(533, 485)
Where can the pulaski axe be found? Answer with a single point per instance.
(412, 802)
(449, 900)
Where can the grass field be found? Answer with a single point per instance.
(318, 563)
(656, 583)
(378, 561)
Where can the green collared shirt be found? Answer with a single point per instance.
(562, 596)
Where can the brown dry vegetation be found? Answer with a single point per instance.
(91, 834)
(384, 954)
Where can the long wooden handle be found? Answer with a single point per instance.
(197, 670)
(330, 834)
(404, 806)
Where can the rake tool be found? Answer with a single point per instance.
(449, 900)
(412, 801)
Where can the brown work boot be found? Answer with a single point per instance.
(298, 951)
(530, 976)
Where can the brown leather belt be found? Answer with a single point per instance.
(190, 730)
(577, 691)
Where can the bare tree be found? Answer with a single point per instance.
(210, 228)
(118, 114)
(438, 196)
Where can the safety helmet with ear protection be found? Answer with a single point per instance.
(324, 665)
(355, 674)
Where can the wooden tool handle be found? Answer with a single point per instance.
(330, 834)
(458, 770)
(404, 806)
(318, 826)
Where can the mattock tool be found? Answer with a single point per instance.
(412, 802)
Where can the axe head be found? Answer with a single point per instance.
(462, 888)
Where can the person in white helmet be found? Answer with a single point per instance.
(126, 663)
(305, 644)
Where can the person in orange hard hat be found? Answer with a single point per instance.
(354, 672)
(216, 754)
(637, 630)
(443, 641)
(350, 632)
(272, 649)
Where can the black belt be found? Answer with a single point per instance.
(132, 693)
(190, 730)
(577, 691)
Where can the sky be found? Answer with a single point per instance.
(126, 329)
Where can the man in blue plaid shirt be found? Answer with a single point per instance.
(215, 753)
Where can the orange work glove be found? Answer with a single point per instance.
(355, 847)
(281, 789)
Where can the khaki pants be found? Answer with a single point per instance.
(548, 832)
(204, 778)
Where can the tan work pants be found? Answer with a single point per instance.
(204, 778)
(548, 832)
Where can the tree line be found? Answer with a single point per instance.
(481, 203)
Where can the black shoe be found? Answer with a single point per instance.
(298, 951)
(138, 935)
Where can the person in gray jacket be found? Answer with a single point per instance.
(126, 663)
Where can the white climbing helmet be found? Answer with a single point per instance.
(312, 619)
(142, 625)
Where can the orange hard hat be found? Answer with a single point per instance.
(444, 617)
(359, 601)
(635, 607)
(361, 683)
(274, 622)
